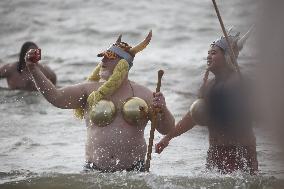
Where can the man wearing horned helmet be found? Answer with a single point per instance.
(116, 110)
(224, 108)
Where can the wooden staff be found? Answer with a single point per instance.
(231, 52)
(154, 124)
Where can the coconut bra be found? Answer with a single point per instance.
(134, 110)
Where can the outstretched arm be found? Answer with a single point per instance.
(71, 97)
(49, 74)
(185, 124)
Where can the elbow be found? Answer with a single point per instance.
(164, 129)
(53, 79)
(171, 126)
(58, 103)
(56, 99)
(54, 102)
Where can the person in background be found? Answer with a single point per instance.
(17, 74)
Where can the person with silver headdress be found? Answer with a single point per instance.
(224, 107)
(17, 74)
(116, 110)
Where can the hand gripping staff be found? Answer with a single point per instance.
(154, 124)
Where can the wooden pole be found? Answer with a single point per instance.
(154, 124)
(231, 52)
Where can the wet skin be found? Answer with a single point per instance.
(118, 145)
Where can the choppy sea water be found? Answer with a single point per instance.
(43, 147)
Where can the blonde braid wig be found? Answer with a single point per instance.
(108, 88)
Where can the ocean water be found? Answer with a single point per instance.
(42, 146)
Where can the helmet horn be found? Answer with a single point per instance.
(119, 38)
(142, 45)
(242, 41)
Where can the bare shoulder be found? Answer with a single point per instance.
(89, 86)
(210, 81)
(141, 91)
(8, 66)
(209, 84)
(7, 69)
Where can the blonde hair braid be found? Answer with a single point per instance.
(108, 88)
(95, 76)
(79, 112)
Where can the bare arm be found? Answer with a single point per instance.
(49, 74)
(71, 97)
(185, 124)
